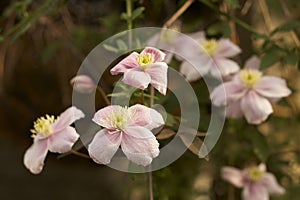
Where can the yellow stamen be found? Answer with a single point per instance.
(145, 59)
(43, 126)
(210, 46)
(255, 174)
(250, 77)
(119, 118)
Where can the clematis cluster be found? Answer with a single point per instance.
(51, 134)
(257, 184)
(250, 94)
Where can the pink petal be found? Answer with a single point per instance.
(255, 191)
(139, 115)
(190, 72)
(83, 84)
(198, 36)
(63, 140)
(233, 110)
(141, 150)
(159, 56)
(67, 118)
(126, 64)
(252, 63)
(34, 156)
(103, 116)
(225, 66)
(227, 49)
(272, 87)
(233, 176)
(104, 146)
(137, 78)
(255, 107)
(156, 120)
(229, 91)
(159, 76)
(270, 182)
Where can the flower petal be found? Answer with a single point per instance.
(189, 71)
(126, 64)
(233, 109)
(255, 107)
(34, 156)
(67, 118)
(83, 84)
(156, 120)
(104, 146)
(252, 63)
(103, 116)
(140, 150)
(159, 56)
(63, 140)
(255, 191)
(225, 66)
(137, 78)
(139, 115)
(233, 176)
(233, 92)
(270, 182)
(272, 87)
(227, 49)
(159, 76)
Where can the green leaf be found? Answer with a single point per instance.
(121, 45)
(292, 58)
(233, 3)
(110, 48)
(219, 28)
(137, 12)
(260, 145)
(124, 16)
(271, 56)
(287, 27)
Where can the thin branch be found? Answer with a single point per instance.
(103, 94)
(266, 15)
(79, 154)
(178, 13)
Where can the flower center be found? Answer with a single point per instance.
(43, 126)
(145, 59)
(210, 46)
(255, 174)
(119, 118)
(250, 77)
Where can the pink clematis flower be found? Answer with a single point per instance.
(249, 93)
(257, 183)
(83, 84)
(128, 128)
(212, 57)
(54, 135)
(144, 68)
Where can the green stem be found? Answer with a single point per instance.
(129, 21)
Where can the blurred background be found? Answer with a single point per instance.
(43, 44)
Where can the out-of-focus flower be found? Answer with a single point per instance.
(144, 68)
(83, 84)
(55, 135)
(128, 128)
(249, 93)
(257, 184)
(212, 56)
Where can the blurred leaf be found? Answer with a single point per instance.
(110, 48)
(292, 58)
(50, 50)
(137, 12)
(124, 16)
(287, 27)
(165, 134)
(271, 57)
(260, 145)
(233, 3)
(219, 28)
(121, 45)
(171, 120)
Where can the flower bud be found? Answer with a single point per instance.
(83, 84)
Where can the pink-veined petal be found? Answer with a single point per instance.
(227, 49)
(159, 76)
(104, 146)
(83, 84)
(156, 120)
(255, 191)
(233, 109)
(157, 54)
(272, 87)
(139, 150)
(233, 176)
(103, 116)
(270, 182)
(67, 118)
(190, 72)
(62, 141)
(252, 63)
(139, 115)
(255, 107)
(34, 156)
(126, 64)
(233, 92)
(137, 78)
(225, 66)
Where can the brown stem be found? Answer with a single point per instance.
(103, 94)
(266, 15)
(178, 13)
(79, 154)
